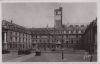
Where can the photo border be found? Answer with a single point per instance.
(45, 1)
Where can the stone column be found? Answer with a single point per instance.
(5, 40)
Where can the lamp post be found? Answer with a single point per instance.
(62, 50)
(62, 54)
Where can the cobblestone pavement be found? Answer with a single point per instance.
(55, 57)
(50, 56)
(10, 56)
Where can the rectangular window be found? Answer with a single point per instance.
(14, 39)
(69, 32)
(16, 33)
(38, 36)
(40, 41)
(43, 36)
(10, 38)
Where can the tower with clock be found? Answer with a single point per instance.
(58, 17)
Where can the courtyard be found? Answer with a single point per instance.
(48, 56)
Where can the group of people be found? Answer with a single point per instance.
(87, 57)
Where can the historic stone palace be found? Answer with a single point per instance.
(16, 37)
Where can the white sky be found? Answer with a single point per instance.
(41, 14)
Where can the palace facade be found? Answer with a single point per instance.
(16, 37)
(89, 38)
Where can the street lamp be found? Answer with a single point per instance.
(62, 50)
(59, 43)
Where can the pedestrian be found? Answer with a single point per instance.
(87, 56)
(91, 57)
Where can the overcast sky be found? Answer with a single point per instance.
(40, 14)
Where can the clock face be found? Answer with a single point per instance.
(58, 17)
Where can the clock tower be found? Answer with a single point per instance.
(58, 17)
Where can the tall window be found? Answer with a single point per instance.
(69, 32)
(72, 41)
(40, 40)
(64, 32)
(74, 31)
(79, 31)
(10, 38)
(38, 36)
(10, 33)
(16, 33)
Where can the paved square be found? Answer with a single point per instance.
(49, 56)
